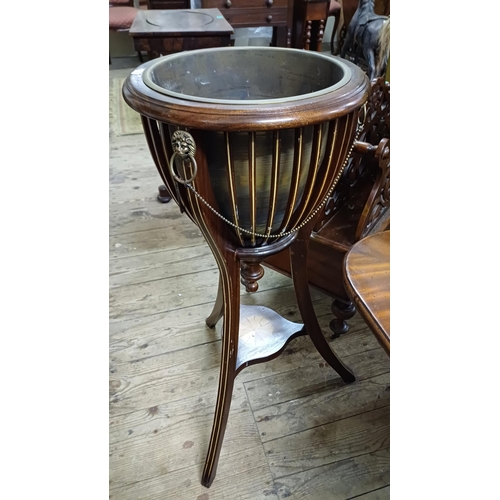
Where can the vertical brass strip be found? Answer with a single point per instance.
(149, 126)
(330, 164)
(154, 141)
(168, 152)
(252, 189)
(230, 180)
(294, 183)
(165, 139)
(334, 134)
(273, 195)
(312, 174)
(339, 149)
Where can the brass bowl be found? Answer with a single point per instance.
(246, 75)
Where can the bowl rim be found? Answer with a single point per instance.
(146, 76)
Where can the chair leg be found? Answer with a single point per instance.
(320, 31)
(298, 256)
(306, 43)
(229, 276)
(163, 195)
(334, 31)
(342, 312)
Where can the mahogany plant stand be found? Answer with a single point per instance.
(253, 177)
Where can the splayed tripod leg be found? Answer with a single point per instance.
(229, 282)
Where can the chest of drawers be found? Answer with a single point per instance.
(253, 13)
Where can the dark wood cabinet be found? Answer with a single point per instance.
(254, 13)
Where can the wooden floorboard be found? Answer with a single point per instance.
(295, 430)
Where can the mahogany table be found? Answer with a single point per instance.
(367, 281)
(163, 32)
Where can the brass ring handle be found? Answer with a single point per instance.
(175, 176)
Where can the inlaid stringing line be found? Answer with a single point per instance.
(334, 169)
(274, 182)
(294, 183)
(313, 170)
(230, 179)
(251, 166)
(331, 156)
(147, 125)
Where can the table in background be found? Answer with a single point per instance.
(161, 32)
(367, 281)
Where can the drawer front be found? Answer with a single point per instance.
(168, 4)
(171, 45)
(227, 5)
(239, 18)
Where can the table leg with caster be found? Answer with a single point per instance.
(163, 195)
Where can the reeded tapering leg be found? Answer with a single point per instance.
(298, 259)
(230, 279)
(218, 309)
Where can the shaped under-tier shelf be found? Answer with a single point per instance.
(263, 335)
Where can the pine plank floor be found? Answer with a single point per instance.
(295, 430)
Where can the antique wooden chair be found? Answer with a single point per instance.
(310, 17)
(360, 206)
(121, 16)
